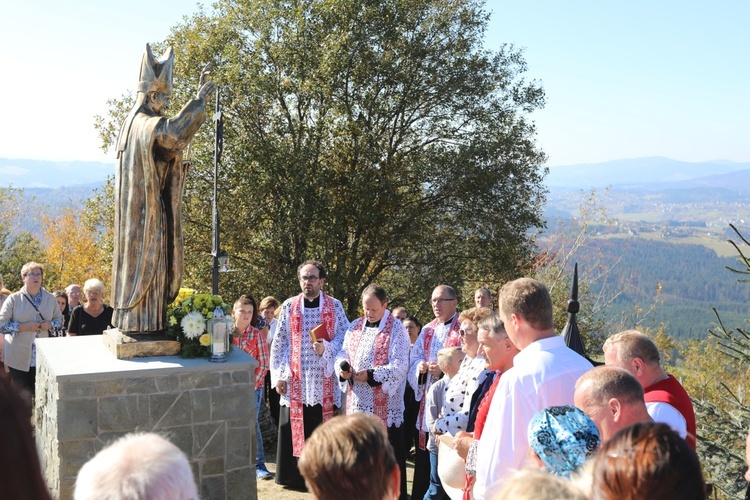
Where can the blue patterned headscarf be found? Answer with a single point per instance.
(563, 437)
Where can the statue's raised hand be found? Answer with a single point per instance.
(205, 88)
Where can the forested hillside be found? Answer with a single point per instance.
(678, 283)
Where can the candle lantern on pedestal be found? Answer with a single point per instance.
(219, 327)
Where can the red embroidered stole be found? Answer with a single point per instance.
(296, 397)
(484, 408)
(453, 339)
(380, 358)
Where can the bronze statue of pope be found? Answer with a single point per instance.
(147, 265)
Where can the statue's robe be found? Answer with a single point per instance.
(147, 264)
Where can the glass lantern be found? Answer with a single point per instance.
(219, 328)
(223, 262)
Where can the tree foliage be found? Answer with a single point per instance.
(17, 246)
(72, 253)
(380, 137)
(716, 374)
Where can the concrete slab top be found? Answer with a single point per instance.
(83, 356)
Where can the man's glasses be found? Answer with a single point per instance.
(34, 275)
(309, 279)
(441, 300)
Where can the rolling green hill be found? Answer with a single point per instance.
(681, 281)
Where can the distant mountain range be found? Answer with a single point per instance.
(660, 179)
(647, 174)
(52, 174)
(651, 174)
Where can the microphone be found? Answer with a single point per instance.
(346, 367)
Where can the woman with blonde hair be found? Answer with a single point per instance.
(93, 317)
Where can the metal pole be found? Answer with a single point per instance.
(218, 146)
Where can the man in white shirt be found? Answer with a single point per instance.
(544, 374)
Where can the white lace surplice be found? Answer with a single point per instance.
(314, 367)
(392, 375)
(418, 355)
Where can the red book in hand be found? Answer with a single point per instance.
(319, 333)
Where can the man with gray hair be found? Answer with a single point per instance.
(612, 398)
(483, 297)
(499, 353)
(666, 399)
(137, 466)
(73, 291)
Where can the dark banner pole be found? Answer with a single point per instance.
(218, 148)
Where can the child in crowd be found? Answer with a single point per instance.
(449, 360)
(252, 341)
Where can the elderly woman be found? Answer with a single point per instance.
(28, 314)
(458, 393)
(93, 317)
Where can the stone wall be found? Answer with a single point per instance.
(86, 398)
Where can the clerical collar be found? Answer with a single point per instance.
(373, 325)
(312, 303)
(446, 323)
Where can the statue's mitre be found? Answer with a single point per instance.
(156, 75)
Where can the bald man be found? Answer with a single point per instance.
(612, 398)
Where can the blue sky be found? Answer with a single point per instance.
(623, 79)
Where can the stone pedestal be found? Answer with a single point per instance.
(143, 345)
(86, 398)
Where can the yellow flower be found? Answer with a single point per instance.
(172, 321)
(205, 339)
(209, 315)
(204, 311)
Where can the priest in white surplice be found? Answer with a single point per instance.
(302, 370)
(544, 374)
(372, 369)
(424, 371)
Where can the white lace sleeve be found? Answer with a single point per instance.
(417, 356)
(333, 347)
(471, 458)
(280, 346)
(342, 356)
(393, 374)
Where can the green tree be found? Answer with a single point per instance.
(17, 246)
(720, 394)
(380, 137)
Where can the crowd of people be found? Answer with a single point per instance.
(494, 392)
(489, 402)
(32, 312)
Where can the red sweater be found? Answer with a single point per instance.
(671, 391)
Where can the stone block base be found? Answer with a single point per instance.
(86, 399)
(143, 345)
